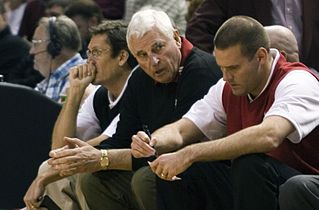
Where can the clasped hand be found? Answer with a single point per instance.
(76, 157)
(166, 166)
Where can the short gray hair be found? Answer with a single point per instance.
(66, 32)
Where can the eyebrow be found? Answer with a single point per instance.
(231, 67)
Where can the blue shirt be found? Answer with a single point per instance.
(59, 79)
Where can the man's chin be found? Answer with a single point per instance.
(238, 92)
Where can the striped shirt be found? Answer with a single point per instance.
(55, 84)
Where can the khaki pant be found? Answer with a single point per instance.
(66, 193)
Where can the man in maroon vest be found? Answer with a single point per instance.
(263, 116)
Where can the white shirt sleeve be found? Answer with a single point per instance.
(88, 125)
(297, 100)
(208, 114)
(110, 130)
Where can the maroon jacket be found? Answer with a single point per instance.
(211, 14)
(33, 12)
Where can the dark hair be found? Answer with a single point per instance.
(61, 3)
(242, 30)
(84, 8)
(115, 31)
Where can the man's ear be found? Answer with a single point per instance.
(177, 38)
(262, 55)
(123, 57)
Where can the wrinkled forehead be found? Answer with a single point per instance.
(41, 32)
(147, 41)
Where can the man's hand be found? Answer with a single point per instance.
(33, 196)
(168, 166)
(77, 157)
(82, 75)
(141, 145)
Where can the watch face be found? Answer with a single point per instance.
(104, 162)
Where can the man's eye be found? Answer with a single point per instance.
(141, 55)
(158, 47)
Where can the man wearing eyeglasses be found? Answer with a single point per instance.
(55, 46)
(109, 65)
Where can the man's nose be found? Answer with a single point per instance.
(154, 60)
(227, 76)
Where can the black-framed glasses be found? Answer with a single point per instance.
(95, 53)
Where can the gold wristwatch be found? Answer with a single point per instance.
(104, 161)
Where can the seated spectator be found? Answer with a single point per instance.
(85, 14)
(112, 10)
(56, 7)
(23, 16)
(300, 192)
(299, 16)
(16, 64)
(192, 6)
(55, 45)
(107, 45)
(283, 40)
(267, 109)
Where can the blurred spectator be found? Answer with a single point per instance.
(56, 7)
(85, 14)
(192, 6)
(299, 16)
(55, 44)
(23, 16)
(175, 9)
(112, 9)
(16, 64)
(284, 40)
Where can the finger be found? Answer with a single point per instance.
(54, 153)
(63, 163)
(75, 142)
(80, 71)
(176, 178)
(64, 153)
(137, 154)
(156, 168)
(74, 72)
(143, 136)
(153, 141)
(92, 68)
(68, 172)
(85, 71)
(143, 143)
(142, 147)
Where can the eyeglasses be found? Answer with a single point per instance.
(36, 42)
(95, 53)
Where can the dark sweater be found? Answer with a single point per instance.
(149, 103)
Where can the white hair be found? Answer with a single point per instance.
(146, 20)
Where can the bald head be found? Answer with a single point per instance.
(284, 40)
